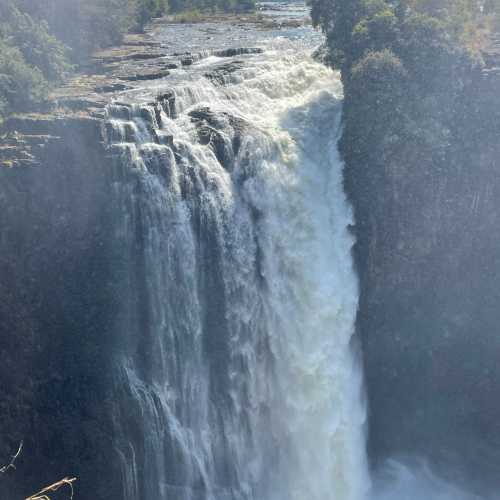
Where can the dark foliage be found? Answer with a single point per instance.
(31, 59)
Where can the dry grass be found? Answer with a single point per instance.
(11, 465)
(43, 493)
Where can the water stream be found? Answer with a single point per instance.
(239, 375)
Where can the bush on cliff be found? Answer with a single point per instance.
(404, 68)
(39, 48)
(31, 60)
(21, 85)
(84, 25)
(142, 12)
(373, 33)
(375, 110)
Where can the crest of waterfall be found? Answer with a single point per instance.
(236, 378)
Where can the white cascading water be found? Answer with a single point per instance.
(238, 377)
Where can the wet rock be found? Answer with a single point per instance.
(145, 75)
(81, 103)
(168, 65)
(111, 87)
(167, 103)
(137, 41)
(238, 51)
(120, 111)
(222, 132)
(21, 150)
(16, 155)
(321, 54)
(220, 74)
(122, 55)
(164, 138)
(55, 126)
(158, 160)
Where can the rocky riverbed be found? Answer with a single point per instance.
(140, 70)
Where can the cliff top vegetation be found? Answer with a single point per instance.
(356, 27)
(404, 66)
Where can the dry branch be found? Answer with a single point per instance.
(11, 465)
(42, 494)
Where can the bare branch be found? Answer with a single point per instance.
(42, 494)
(5, 468)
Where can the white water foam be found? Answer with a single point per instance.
(255, 260)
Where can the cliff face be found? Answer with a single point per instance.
(62, 282)
(57, 298)
(427, 255)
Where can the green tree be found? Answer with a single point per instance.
(39, 48)
(86, 25)
(31, 60)
(146, 10)
(375, 32)
(21, 86)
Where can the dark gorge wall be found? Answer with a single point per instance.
(59, 297)
(428, 258)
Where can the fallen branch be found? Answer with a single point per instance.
(5, 468)
(42, 494)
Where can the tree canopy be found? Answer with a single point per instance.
(404, 66)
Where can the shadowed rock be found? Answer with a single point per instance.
(145, 75)
(220, 74)
(222, 132)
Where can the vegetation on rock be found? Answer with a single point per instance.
(404, 66)
(30, 58)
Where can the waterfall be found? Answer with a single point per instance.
(236, 377)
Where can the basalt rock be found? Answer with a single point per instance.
(221, 74)
(111, 87)
(238, 51)
(145, 75)
(222, 132)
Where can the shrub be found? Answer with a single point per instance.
(39, 48)
(31, 60)
(373, 111)
(378, 71)
(374, 33)
(145, 10)
(21, 86)
(84, 25)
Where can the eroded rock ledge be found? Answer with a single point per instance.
(77, 109)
